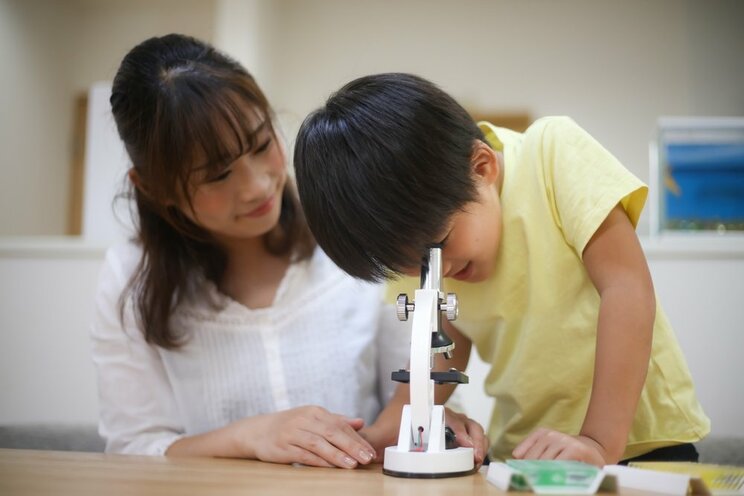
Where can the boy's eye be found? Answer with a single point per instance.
(444, 240)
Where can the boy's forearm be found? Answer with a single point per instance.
(459, 361)
(624, 337)
(389, 417)
(617, 267)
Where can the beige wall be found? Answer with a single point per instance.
(615, 66)
(36, 106)
(53, 51)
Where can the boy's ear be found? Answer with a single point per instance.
(485, 163)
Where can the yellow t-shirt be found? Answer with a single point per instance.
(535, 319)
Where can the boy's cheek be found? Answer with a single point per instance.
(412, 272)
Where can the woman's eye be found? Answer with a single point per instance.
(263, 147)
(219, 177)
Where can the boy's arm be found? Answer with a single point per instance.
(617, 266)
(459, 360)
(468, 432)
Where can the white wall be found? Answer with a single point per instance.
(704, 298)
(106, 213)
(46, 304)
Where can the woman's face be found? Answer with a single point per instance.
(244, 199)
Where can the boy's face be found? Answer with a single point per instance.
(472, 237)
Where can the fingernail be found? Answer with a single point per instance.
(366, 455)
(349, 462)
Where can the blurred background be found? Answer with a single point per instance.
(616, 67)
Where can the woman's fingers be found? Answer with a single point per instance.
(313, 436)
(332, 437)
(305, 457)
(338, 433)
(321, 447)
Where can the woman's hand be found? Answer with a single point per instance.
(468, 433)
(309, 435)
(547, 444)
(380, 437)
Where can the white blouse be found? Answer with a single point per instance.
(327, 340)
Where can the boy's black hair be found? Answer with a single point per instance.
(381, 168)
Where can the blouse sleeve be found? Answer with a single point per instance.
(137, 408)
(393, 346)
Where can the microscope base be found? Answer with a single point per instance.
(428, 465)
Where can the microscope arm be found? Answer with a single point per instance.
(425, 321)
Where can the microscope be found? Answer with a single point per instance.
(422, 450)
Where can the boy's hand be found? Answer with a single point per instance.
(468, 434)
(547, 444)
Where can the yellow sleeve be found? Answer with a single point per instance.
(585, 181)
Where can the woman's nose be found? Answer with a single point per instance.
(254, 181)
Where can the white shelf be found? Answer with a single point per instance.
(59, 247)
(694, 245)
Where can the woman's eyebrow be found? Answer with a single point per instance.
(261, 126)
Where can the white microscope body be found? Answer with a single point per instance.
(421, 450)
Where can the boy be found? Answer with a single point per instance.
(539, 236)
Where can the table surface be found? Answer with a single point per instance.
(28, 472)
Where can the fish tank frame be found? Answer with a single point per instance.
(697, 176)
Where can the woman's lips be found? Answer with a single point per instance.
(262, 209)
(464, 273)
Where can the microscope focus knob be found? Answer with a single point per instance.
(403, 307)
(451, 307)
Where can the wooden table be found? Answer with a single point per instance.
(27, 472)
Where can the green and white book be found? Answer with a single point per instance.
(550, 477)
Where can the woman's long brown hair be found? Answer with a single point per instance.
(173, 98)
